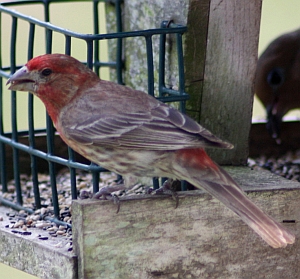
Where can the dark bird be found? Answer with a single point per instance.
(277, 82)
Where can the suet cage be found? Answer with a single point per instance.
(17, 144)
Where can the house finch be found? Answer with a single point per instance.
(135, 135)
(277, 82)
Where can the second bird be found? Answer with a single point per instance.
(277, 82)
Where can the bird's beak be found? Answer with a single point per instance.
(274, 122)
(22, 80)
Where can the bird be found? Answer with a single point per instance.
(277, 79)
(135, 135)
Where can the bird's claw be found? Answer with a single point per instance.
(166, 189)
(85, 195)
(106, 194)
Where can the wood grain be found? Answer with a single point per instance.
(231, 56)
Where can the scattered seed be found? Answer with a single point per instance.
(43, 237)
(41, 225)
(287, 166)
(36, 217)
(21, 221)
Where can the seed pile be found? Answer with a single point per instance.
(21, 222)
(287, 166)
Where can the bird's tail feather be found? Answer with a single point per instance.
(219, 184)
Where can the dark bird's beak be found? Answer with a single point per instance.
(273, 123)
(22, 80)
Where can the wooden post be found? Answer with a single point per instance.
(222, 88)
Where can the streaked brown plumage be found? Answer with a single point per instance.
(133, 134)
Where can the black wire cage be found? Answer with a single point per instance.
(18, 143)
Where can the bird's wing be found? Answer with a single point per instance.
(138, 121)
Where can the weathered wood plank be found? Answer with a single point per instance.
(46, 259)
(195, 54)
(148, 238)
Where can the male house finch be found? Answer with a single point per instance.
(133, 134)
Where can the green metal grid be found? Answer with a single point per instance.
(93, 61)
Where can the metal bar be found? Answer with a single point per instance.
(31, 134)
(72, 174)
(34, 166)
(49, 36)
(68, 45)
(96, 43)
(50, 140)
(70, 151)
(155, 182)
(95, 174)
(96, 179)
(2, 146)
(149, 50)
(89, 57)
(47, 156)
(14, 113)
(4, 74)
(181, 85)
(18, 2)
(52, 27)
(46, 11)
(52, 171)
(119, 54)
(30, 211)
(161, 70)
(180, 70)
(167, 99)
(110, 64)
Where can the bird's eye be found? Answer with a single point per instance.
(46, 72)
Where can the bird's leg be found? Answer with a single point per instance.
(107, 190)
(106, 193)
(167, 189)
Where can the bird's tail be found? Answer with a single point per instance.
(202, 172)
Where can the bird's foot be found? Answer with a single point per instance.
(105, 193)
(166, 189)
